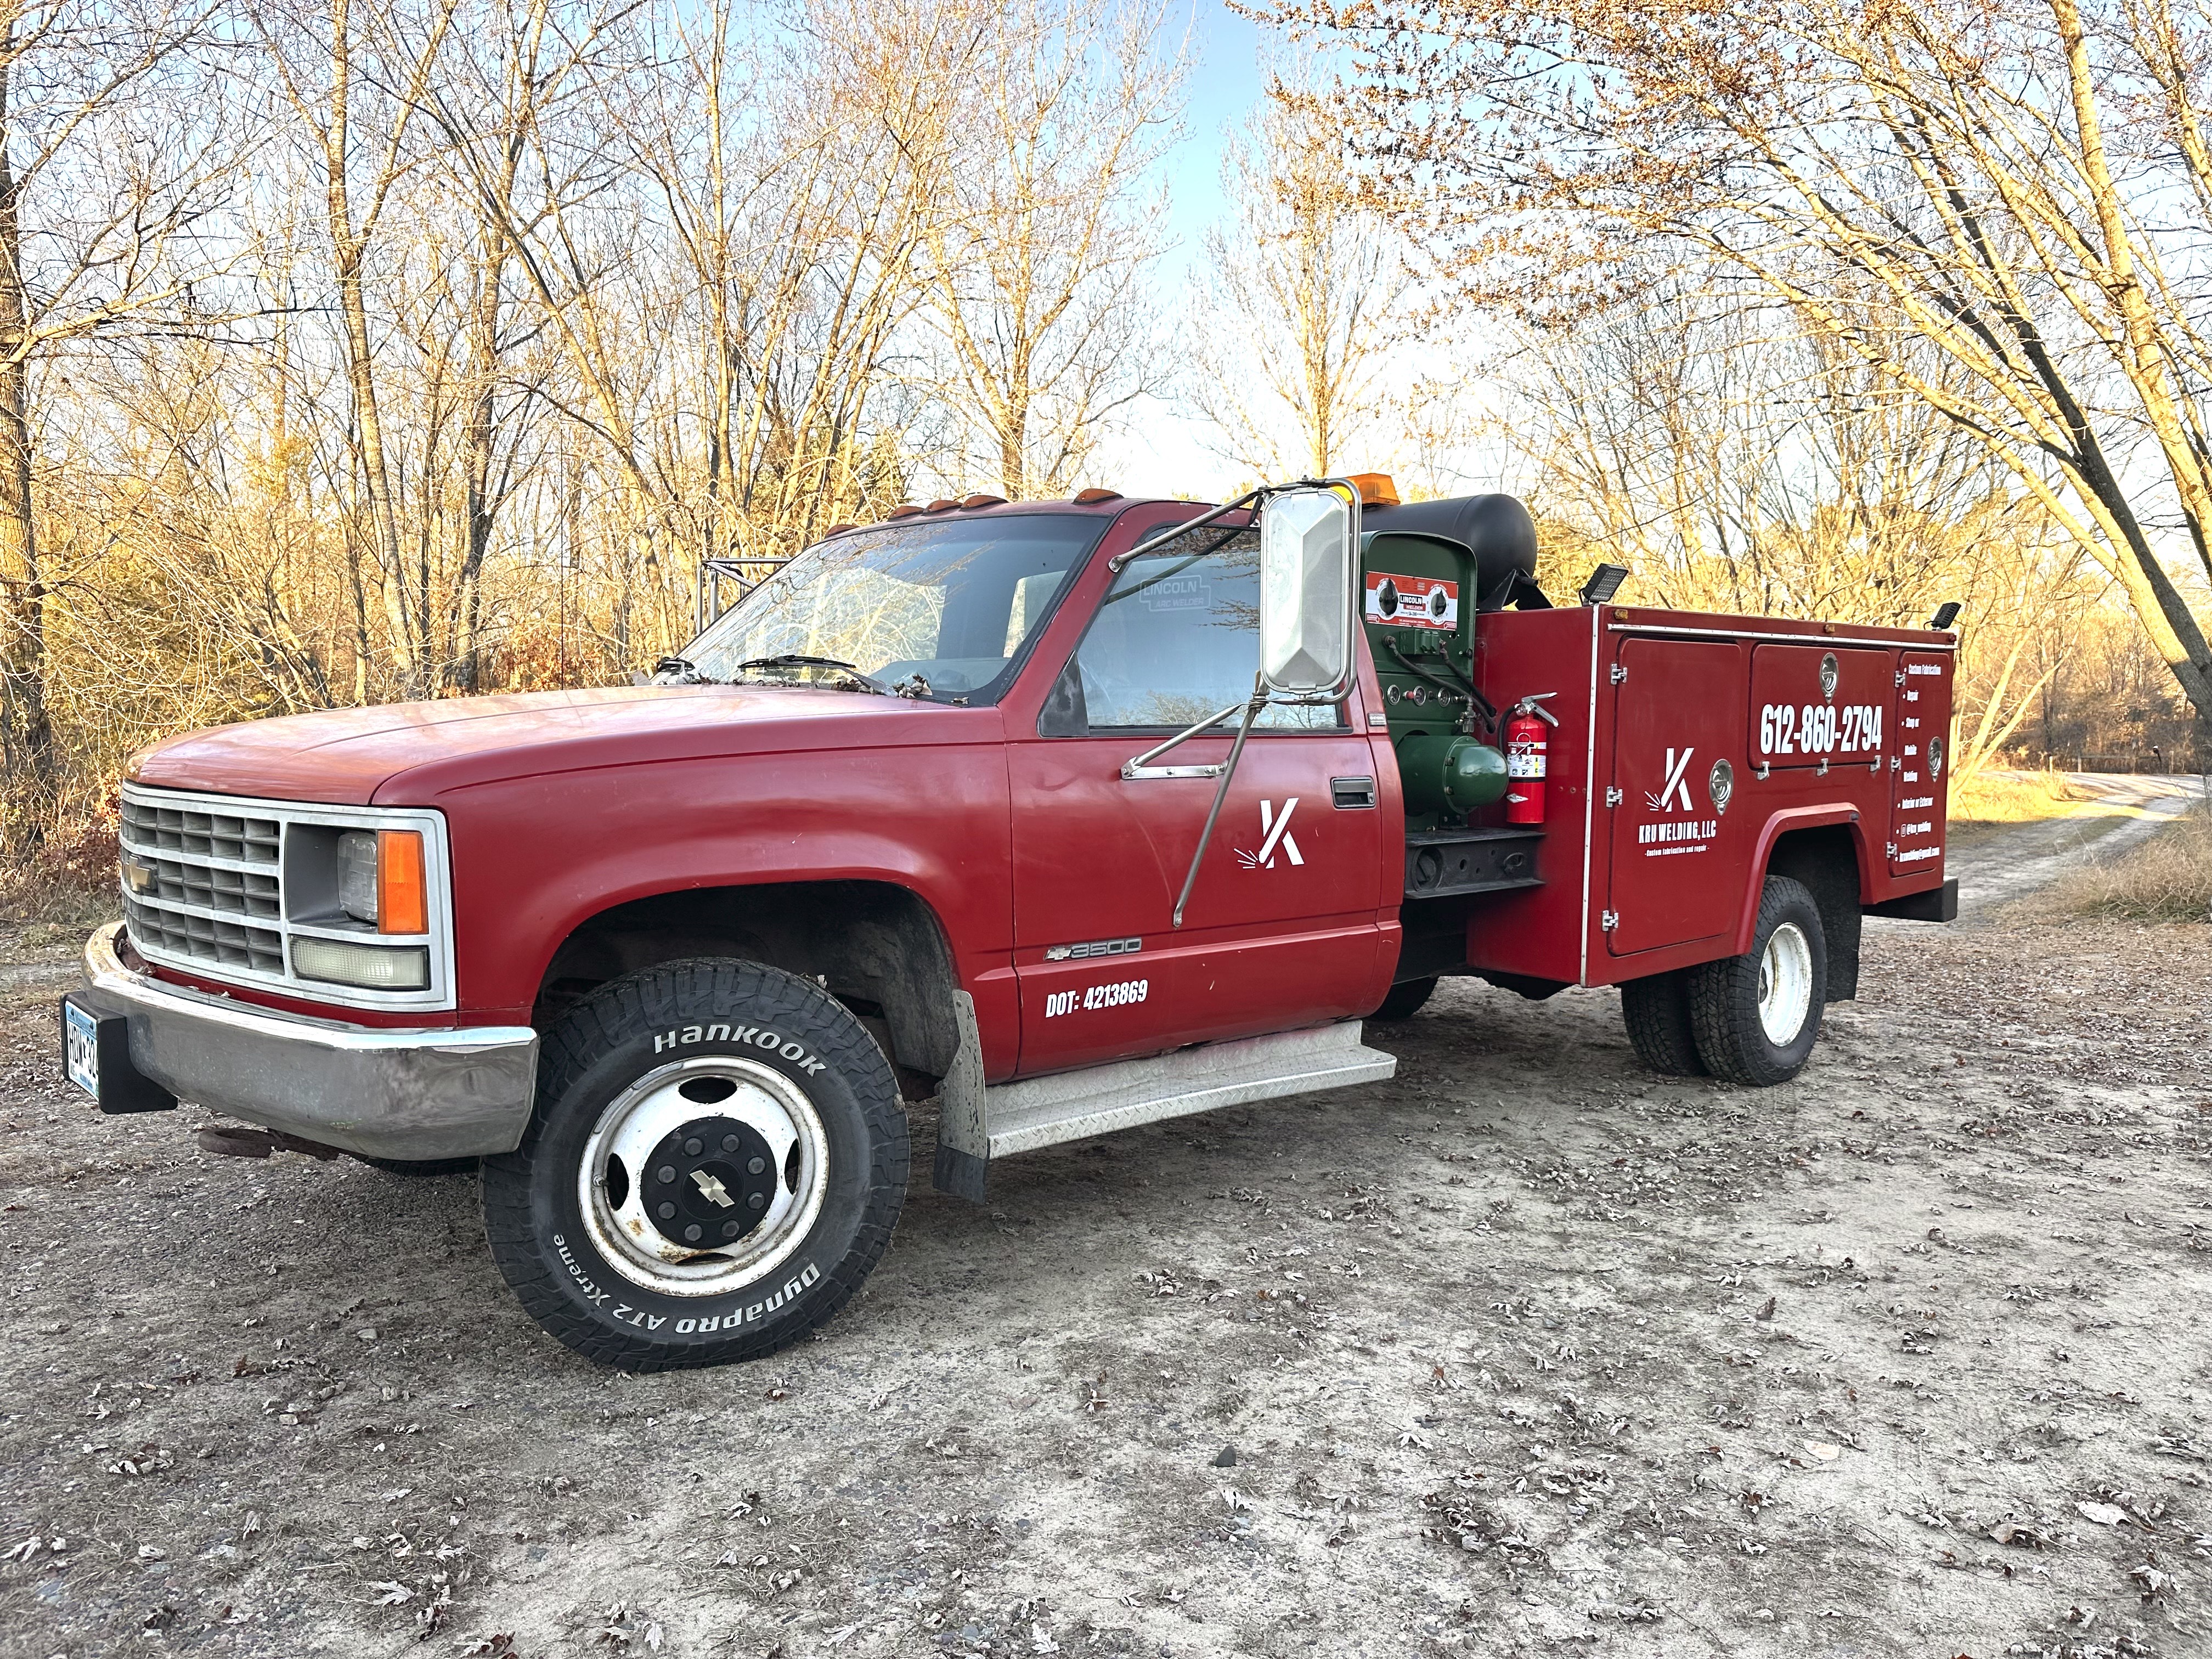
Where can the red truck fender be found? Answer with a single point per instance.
(1779, 825)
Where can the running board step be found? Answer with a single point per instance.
(1047, 1111)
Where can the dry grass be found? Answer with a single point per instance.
(2167, 877)
(2011, 798)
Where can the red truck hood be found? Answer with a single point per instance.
(354, 756)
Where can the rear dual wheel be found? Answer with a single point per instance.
(1751, 1020)
(716, 1162)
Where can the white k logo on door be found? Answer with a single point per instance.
(1276, 832)
(1678, 782)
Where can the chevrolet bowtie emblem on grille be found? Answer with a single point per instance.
(712, 1188)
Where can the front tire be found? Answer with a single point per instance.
(1757, 1015)
(716, 1162)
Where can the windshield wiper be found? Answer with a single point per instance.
(677, 670)
(799, 659)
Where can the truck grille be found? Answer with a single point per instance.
(214, 875)
(203, 889)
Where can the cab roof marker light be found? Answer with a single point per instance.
(1087, 497)
(967, 501)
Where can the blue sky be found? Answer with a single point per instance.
(1161, 452)
(1224, 86)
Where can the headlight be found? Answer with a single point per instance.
(381, 880)
(372, 966)
(357, 874)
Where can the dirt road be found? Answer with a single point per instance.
(2000, 864)
(1523, 1353)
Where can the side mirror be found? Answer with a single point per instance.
(1307, 539)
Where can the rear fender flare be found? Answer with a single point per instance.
(1779, 825)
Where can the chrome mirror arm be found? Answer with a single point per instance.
(1161, 538)
(1228, 771)
(1139, 767)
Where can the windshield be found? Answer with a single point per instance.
(936, 609)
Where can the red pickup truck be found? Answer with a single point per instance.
(1071, 815)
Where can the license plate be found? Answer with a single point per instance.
(80, 1045)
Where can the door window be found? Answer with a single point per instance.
(1175, 639)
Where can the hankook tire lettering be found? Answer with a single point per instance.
(758, 1036)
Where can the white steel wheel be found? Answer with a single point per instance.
(703, 1177)
(1755, 1017)
(1785, 984)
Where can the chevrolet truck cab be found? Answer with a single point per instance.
(1068, 815)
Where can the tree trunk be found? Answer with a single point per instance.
(349, 250)
(26, 734)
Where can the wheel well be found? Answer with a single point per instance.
(1827, 860)
(876, 947)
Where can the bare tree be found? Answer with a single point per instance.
(1303, 296)
(1037, 270)
(114, 151)
(1741, 462)
(2023, 186)
(354, 85)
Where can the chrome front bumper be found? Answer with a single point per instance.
(426, 1094)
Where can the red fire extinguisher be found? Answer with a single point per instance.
(1525, 740)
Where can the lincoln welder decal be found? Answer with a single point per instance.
(1412, 602)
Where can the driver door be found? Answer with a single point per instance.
(1283, 927)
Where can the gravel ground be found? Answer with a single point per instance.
(1523, 1352)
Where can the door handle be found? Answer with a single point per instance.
(1345, 792)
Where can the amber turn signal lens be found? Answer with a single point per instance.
(402, 894)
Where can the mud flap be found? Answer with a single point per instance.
(1936, 904)
(964, 1145)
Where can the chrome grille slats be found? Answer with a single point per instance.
(206, 939)
(232, 838)
(216, 874)
(210, 896)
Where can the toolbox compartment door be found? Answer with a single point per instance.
(1820, 705)
(1920, 798)
(1678, 855)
